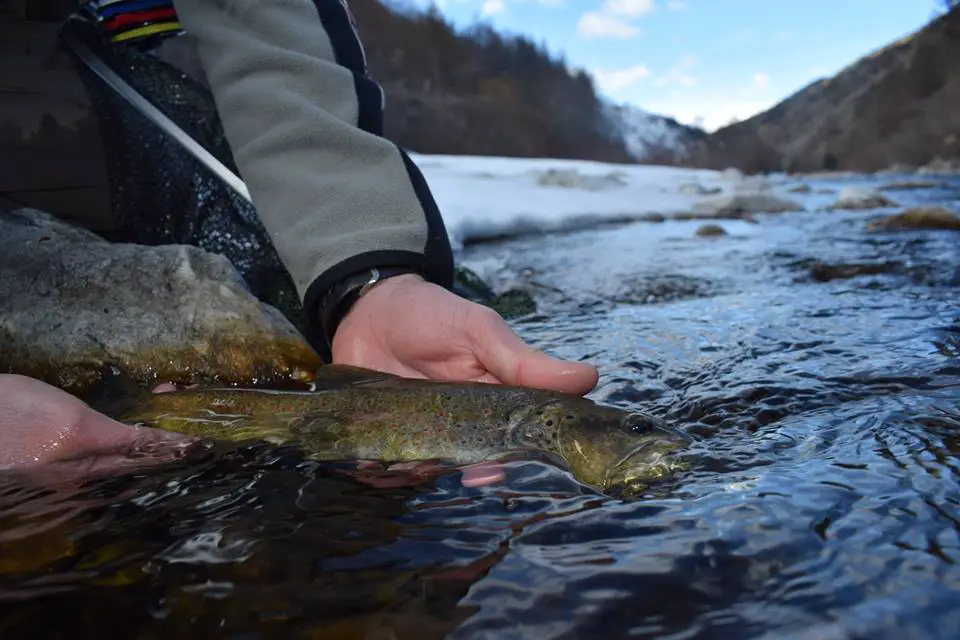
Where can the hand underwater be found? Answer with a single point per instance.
(48, 433)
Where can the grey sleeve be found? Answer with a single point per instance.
(305, 124)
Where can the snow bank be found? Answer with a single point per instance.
(491, 197)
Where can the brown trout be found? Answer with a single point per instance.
(358, 414)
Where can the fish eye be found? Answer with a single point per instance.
(640, 423)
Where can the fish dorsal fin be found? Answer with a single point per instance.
(334, 376)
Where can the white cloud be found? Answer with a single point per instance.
(491, 7)
(599, 25)
(614, 80)
(760, 80)
(614, 20)
(628, 8)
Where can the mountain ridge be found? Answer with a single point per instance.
(899, 104)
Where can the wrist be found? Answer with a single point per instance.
(387, 282)
(341, 298)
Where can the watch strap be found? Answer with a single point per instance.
(341, 297)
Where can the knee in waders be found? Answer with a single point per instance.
(51, 151)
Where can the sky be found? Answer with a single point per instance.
(703, 62)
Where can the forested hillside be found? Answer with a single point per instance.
(899, 105)
(478, 92)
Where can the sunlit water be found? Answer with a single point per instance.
(823, 501)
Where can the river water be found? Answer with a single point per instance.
(823, 500)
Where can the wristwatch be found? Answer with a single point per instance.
(341, 297)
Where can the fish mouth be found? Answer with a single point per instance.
(648, 461)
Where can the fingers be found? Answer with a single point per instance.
(413, 473)
(167, 387)
(42, 426)
(513, 362)
(482, 474)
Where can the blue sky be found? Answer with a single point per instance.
(701, 61)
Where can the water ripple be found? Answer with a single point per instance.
(821, 499)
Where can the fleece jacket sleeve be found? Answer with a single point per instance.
(305, 123)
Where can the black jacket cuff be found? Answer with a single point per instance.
(323, 297)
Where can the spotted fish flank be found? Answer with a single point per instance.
(355, 413)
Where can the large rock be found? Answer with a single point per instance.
(510, 304)
(918, 218)
(573, 179)
(745, 203)
(897, 168)
(161, 194)
(940, 167)
(825, 272)
(697, 189)
(854, 198)
(710, 231)
(71, 302)
(909, 185)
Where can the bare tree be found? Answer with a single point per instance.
(474, 90)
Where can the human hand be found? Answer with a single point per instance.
(410, 474)
(413, 328)
(47, 432)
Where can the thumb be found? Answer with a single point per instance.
(513, 362)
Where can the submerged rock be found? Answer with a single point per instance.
(739, 204)
(918, 218)
(853, 198)
(71, 302)
(511, 303)
(710, 231)
(650, 217)
(661, 288)
(514, 303)
(467, 284)
(800, 188)
(909, 185)
(690, 215)
(824, 272)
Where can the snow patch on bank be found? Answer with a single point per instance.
(492, 197)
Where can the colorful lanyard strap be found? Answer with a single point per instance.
(129, 21)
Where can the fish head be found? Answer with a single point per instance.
(604, 446)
